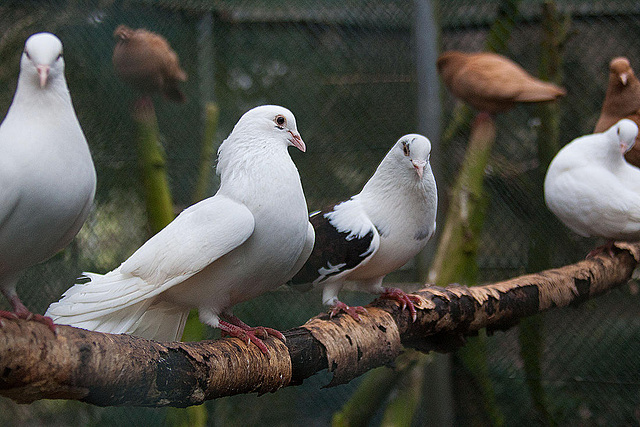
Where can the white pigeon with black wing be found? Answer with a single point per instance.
(247, 239)
(47, 177)
(378, 230)
(593, 190)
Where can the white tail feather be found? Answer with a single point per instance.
(162, 322)
(119, 304)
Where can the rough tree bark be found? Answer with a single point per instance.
(107, 370)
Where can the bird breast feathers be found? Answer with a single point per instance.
(593, 203)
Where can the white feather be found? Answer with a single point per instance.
(592, 189)
(47, 177)
(397, 206)
(306, 251)
(349, 217)
(230, 248)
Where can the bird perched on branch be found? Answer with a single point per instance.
(146, 61)
(47, 177)
(492, 83)
(593, 190)
(250, 237)
(378, 230)
(622, 100)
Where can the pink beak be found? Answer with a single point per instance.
(419, 165)
(623, 149)
(43, 72)
(297, 142)
(623, 78)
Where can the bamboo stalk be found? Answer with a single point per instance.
(408, 392)
(370, 395)
(153, 166)
(455, 260)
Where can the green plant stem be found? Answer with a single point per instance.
(153, 167)
(208, 151)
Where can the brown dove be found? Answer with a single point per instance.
(621, 101)
(146, 61)
(492, 83)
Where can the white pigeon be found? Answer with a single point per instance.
(249, 238)
(378, 230)
(591, 188)
(47, 178)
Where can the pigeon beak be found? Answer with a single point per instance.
(419, 165)
(624, 77)
(297, 142)
(624, 148)
(43, 72)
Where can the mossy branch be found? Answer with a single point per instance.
(455, 258)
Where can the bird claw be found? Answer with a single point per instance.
(260, 332)
(263, 332)
(6, 315)
(354, 312)
(251, 337)
(27, 315)
(238, 329)
(257, 335)
(606, 248)
(274, 333)
(47, 321)
(405, 300)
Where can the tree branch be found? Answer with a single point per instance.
(108, 370)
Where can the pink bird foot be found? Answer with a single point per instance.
(235, 327)
(6, 315)
(354, 312)
(22, 312)
(405, 300)
(606, 248)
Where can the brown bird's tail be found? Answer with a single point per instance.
(539, 91)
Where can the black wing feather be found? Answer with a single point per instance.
(332, 247)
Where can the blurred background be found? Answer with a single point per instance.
(357, 75)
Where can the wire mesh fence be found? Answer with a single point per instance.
(348, 72)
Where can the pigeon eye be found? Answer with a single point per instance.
(59, 56)
(27, 54)
(405, 148)
(280, 121)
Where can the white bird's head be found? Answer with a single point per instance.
(624, 132)
(42, 58)
(414, 151)
(274, 121)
